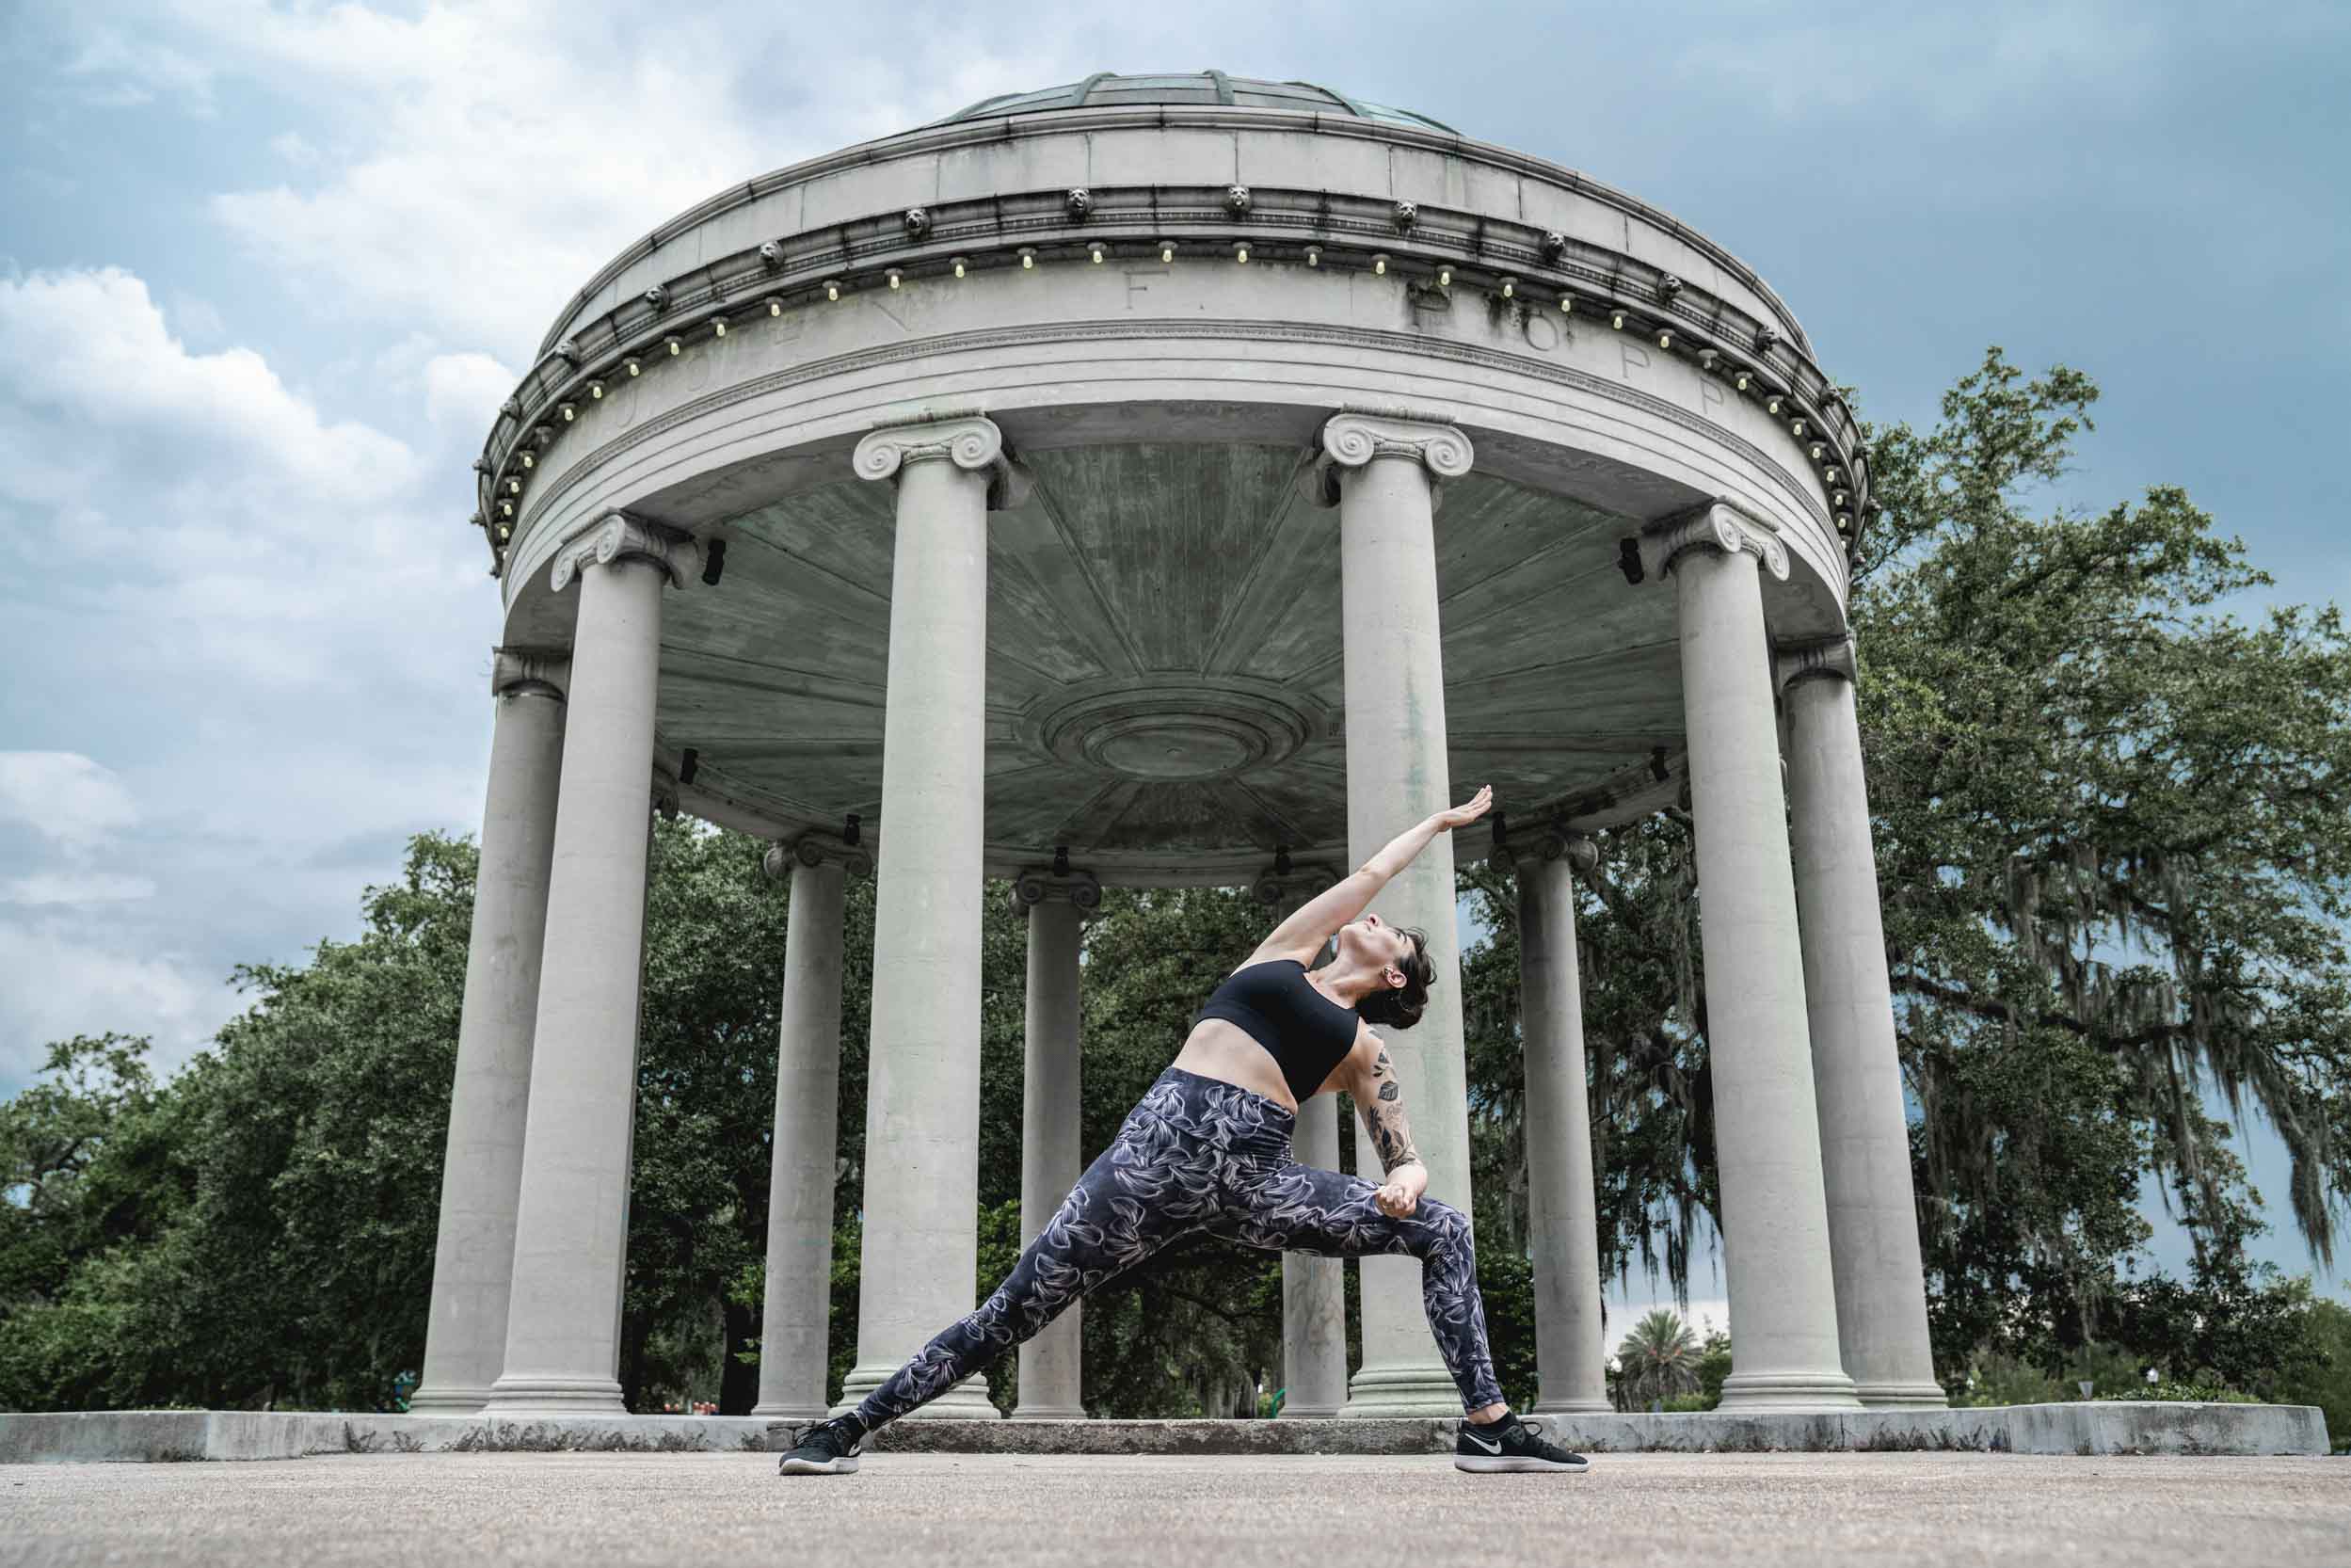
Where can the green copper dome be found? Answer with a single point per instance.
(1105, 89)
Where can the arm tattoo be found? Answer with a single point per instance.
(1384, 1113)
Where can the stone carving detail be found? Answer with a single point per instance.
(543, 670)
(512, 409)
(658, 297)
(973, 442)
(568, 351)
(772, 252)
(1669, 288)
(620, 537)
(1236, 200)
(1407, 214)
(918, 221)
(1553, 245)
(1080, 201)
(1351, 441)
(813, 848)
(1548, 842)
(1832, 658)
(1036, 884)
(1275, 888)
(1716, 525)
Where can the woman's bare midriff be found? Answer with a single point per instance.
(1221, 1049)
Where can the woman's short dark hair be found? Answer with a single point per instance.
(1401, 1006)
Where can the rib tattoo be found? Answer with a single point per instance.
(1384, 1113)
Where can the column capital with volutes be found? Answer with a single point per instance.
(1352, 440)
(815, 848)
(1036, 884)
(530, 671)
(1545, 841)
(624, 536)
(1829, 658)
(1718, 525)
(972, 442)
(1281, 887)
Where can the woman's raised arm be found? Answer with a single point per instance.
(1310, 926)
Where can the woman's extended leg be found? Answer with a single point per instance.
(1300, 1209)
(1130, 1201)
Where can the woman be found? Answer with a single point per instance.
(1207, 1148)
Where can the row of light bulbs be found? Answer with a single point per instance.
(1097, 251)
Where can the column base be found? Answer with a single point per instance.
(1050, 1412)
(554, 1396)
(1747, 1392)
(1564, 1406)
(791, 1410)
(448, 1401)
(1404, 1388)
(967, 1401)
(1902, 1396)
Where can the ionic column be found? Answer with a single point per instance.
(922, 1094)
(1383, 474)
(572, 1222)
(797, 1308)
(1864, 1131)
(1775, 1223)
(1571, 1353)
(1055, 903)
(1314, 1289)
(480, 1174)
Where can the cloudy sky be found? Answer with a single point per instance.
(266, 269)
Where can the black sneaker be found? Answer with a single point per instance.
(1510, 1444)
(826, 1448)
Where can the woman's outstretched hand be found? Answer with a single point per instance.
(1461, 816)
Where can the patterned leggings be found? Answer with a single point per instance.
(1198, 1154)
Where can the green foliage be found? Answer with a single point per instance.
(1656, 1361)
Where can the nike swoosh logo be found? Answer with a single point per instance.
(1490, 1447)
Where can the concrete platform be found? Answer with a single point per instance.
(949, 1511)
(2087, 1428)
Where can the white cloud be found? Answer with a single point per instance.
(74, 888)
(61, 983)
(462, 392)
(68, 799)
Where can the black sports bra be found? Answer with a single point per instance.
(1304, 1031)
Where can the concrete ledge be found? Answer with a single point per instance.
(2098, 1428)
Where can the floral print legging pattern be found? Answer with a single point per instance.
(1199, 1154)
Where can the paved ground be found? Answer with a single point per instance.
(1636, 1510)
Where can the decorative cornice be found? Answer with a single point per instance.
(972, 442)
(1352, 440)
(619, 537)
(1807, 660)
(1275, 887)
(815, 848)
(1547, 844)
(537, 671)
(1037, 885)
(1717, 525)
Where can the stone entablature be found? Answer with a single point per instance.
(1479, 230)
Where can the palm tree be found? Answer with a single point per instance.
(1660, 1359)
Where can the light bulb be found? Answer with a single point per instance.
(1819, 451)
(1445, 276)
(596, 388)
(633, 368)
(1095, 250)
(1313, 255)
(774, 307)
(1241, 254)
(513, 485)
(1835, 474)
(505, 532)
(960, 264)
(1567, 304)
(1844, 522)
(1616, 319)
(568, 412)
(1839, 499)
(1740, 384)
(1665, 339)
(1380, 267)
(1771, 406)
(893, 277)
(832, 288)
(677, 347)
(1510, 287)
(1797, 427)
(507, 508)
(528, 461)
(1167, 250)
(1028, 258)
